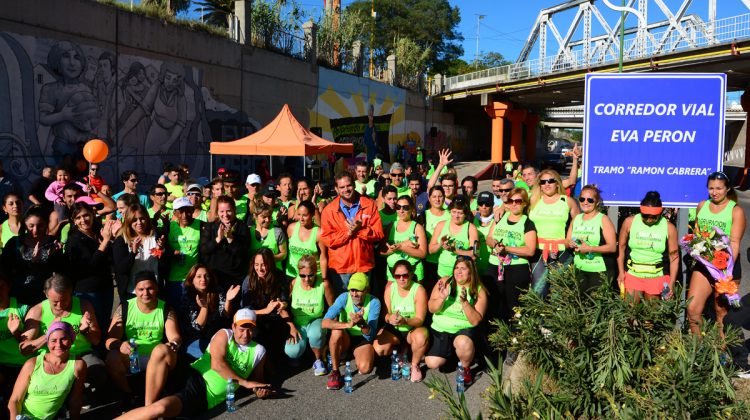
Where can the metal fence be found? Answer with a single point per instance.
(658, 42)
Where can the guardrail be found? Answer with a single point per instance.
(700, 34)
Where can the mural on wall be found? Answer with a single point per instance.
(346, 102)
(57, 94)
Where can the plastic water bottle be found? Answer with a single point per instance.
(406, 368)
(231, 408)
(135, 361)
(395, 368)
(460, 379)
(348, 379)
(664, 291)
(330, 363)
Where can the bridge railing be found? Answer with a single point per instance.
(699, 34)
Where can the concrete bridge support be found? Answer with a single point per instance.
(745, 102)
(531, 121)
(497, 111)
(516, 117)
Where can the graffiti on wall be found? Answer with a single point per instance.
(57, 94)
(345, 105)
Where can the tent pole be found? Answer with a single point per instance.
(211, 166)
(304, 166)
(270, 159)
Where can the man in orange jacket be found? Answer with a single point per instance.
(350, 226)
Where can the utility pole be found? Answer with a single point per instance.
(476, 56)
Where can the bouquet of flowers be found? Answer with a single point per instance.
(712, 249)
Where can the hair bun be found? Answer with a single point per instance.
(653, 194)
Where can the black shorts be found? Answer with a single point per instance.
(194, 394)
(356, 341)
(401, 335)
(442, 342)
(736, 271)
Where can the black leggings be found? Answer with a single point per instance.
(504, 295)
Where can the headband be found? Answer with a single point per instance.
(61, 326)
(651, 211)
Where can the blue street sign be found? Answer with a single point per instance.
(653, 132)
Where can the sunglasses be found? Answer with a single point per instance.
(718, 175)
(306, 276)
(404, 208)
(547, 181)
(484, 204)
(397, 175)
(194, 194)
(93, 169)
(586, 200)
(518, 201)
(401, 276)
(464, 258)
(133, 180)
(159, 194)
(650, 216)
(503, 190)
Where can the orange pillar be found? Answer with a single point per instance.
(516, 117)
(745, 102)
(497, 111)
(531, 121)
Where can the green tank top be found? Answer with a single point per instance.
(394, 237)
(203, 216)
(706, 218)
(297, 249)
(6, 233)
(647, 245)
(174, 190)
(187, 241)
(430, 222)
(387, 219)
(512, 234)
(589, 232)
(349, 308)
(241, 363)
(81, 345)
(550, 220)
(147, 329)
(447, 259)
(64, 232)
(403, 190)
(268, 242)
(451, 318)
(9, 352)
(47, 393)
(307, 305)
(406, 306)
(483, 259)
(370, 185)
(160, 222)
(241, 208)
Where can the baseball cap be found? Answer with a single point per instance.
(396, 167)
(253, 179)
(486, 197)
(245, 317)
(192, 187)
(358, 281)
(181, 202)
(271, 191)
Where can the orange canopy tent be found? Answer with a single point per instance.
(284, 136)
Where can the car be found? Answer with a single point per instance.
(554, 160)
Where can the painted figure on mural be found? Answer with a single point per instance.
(168, 108)
(104, 86)
(67, 105)
(134, 117)
(370, 136)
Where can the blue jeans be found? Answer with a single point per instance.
(340, 281)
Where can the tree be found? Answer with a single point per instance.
(172, 7)
(428, 23)
(216, 12)
(410, 63)
(351, 28)
(599, 356)
(486, 61)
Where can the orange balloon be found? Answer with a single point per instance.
(95, 151)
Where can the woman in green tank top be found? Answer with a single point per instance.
(592, 238)
(720, 210)
(513, 242)
(406, 302)
(306, 192)
(458, 304)
(13, 207)
(47, 381)
(648, 241)
(405, 240)
(264, 235)
(550, 212)
(454, 238)
(304, 239)
(434, 214)
(310, 294)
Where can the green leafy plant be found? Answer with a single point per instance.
(599, 356)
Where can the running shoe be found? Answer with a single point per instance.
(334, 380)
(319, 368)
(467, 377)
